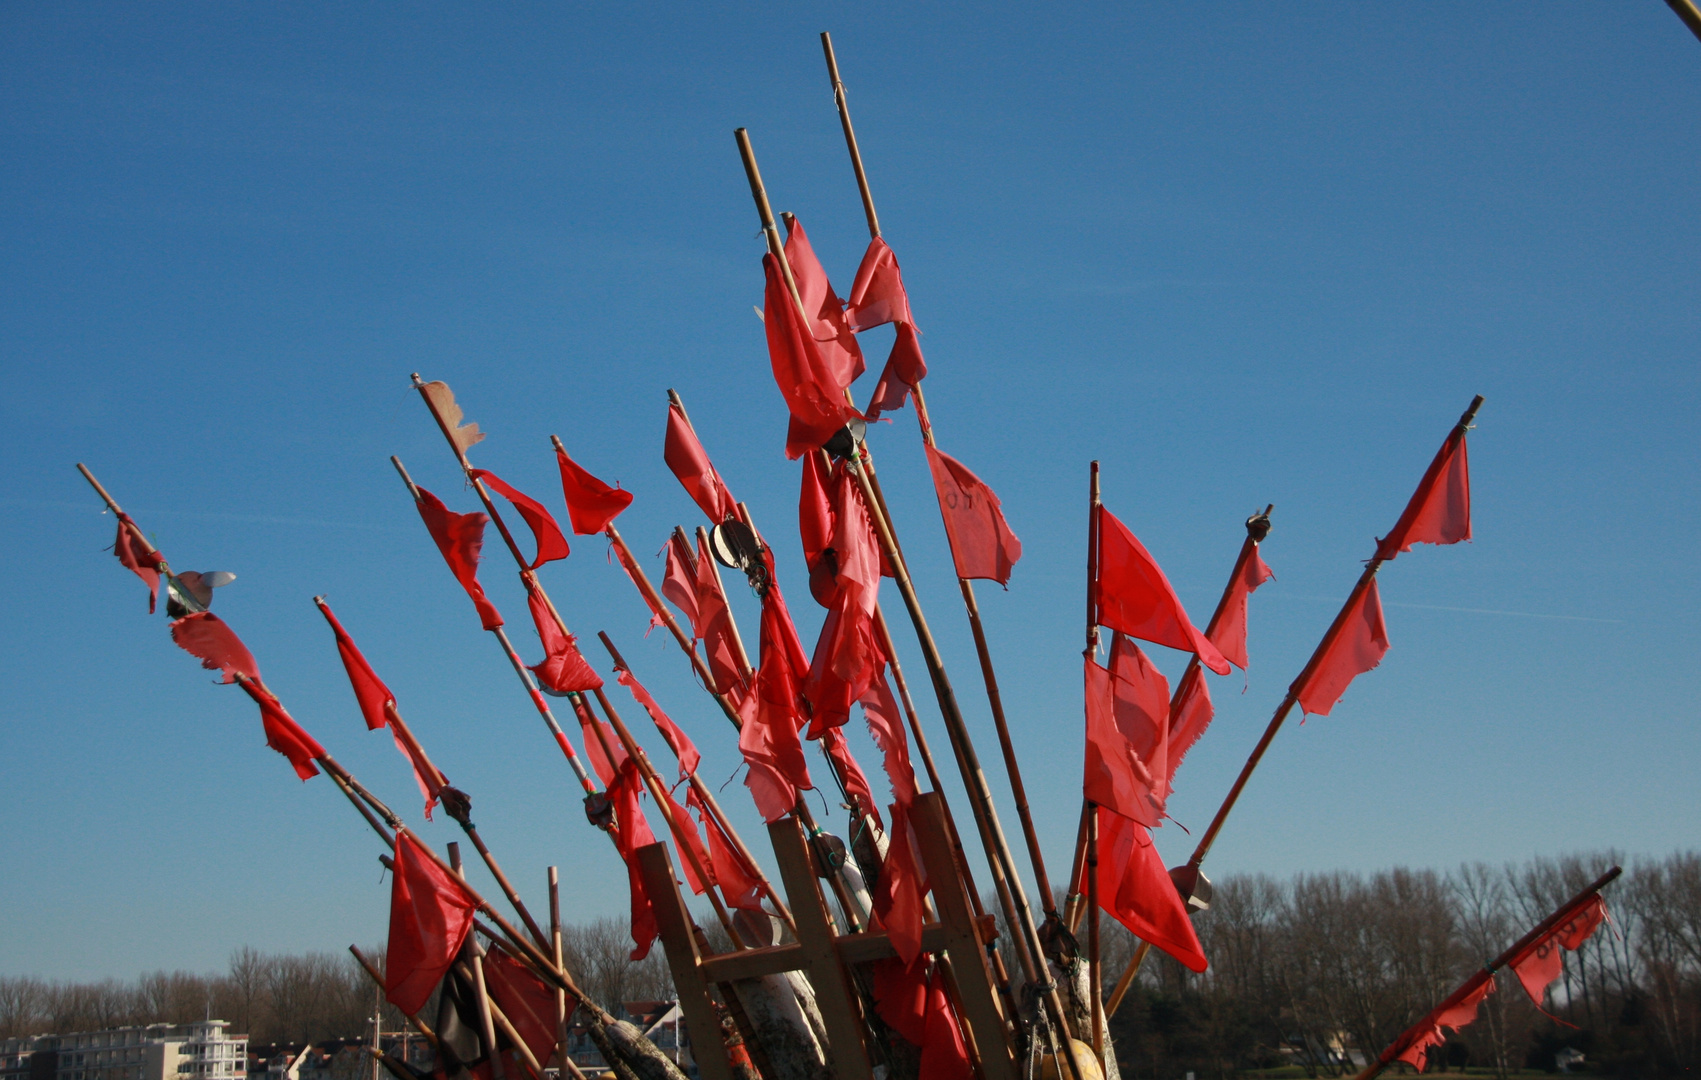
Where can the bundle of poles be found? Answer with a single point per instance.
(874, 954)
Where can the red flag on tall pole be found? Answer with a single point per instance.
(685, 455)
(563, 669)
(1543, 962)
(1138, 892)
(1135, 597)
(1440, 508)
(283, 734)
(826, 311)
(591, 504)
(460, 537)
(878, 297)
(811, 387)
(1452, 1017)
(1229, 635)
(209, 638)
(1359, 645)
(136, 557)
(551, 545)
(982, 545)
(431, 913)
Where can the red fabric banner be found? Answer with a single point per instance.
(563, 668)
(1189, 715)
(204, 635)
(861, 796)
(591, 504)
(886, 725)
(1136, 891)
(815, 524)
(527, 1001)
(877, 295)
(597, 735)
(1543, 962)
(284, 735)
(685, 455)
(904, 370)
(631, 833)
(679, 584)
(738, 885)
(810, 385)
(826, 311)
(1454, 1018)
(136, 558)
(551, 545)
(900, 892)
(1359, 646)
(719, 642)
(460, 537)
(1440, 509)
(982, 545)
(1127, 735)
(1230, 635)
(768, 740)
(431, 913)
(679, 742)
(846, 653)
(686, 828)
(1135, 597)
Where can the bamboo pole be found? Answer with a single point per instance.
(472, 957)
(1689, 13)
(712, 808)
(1020, 918)
(850, 135)
(1095, 968)
(1486, 972)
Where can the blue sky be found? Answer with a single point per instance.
(1241, 254)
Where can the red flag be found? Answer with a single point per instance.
(1230, 635)
(631, 833)
(1359, 645)
(738, 885)
(877, 295)
(376, 703)
(944, 1054)
(135, 557)
(815, 524)
(1429, 1034)
(982, 545)
(591, 504)
(904, 370)
(1440, 510)
(861, 796)
(551, 545)
(810, 385)
(1127, 735)
(679, 584)
(431, 913)
(1189, 715)
(1455, 1018)
(563, 669)
(718, 631)
(1134, 596)
(284, 735)
(679, 742)
(846, 653)
(880, 709)
(460, 537)
(1136, 891)
(598, 735)
(826, 311)
(685, 828)
(899, 894)
(527, 1001)
(1543, 962)
(691, 464)
(768, 740)
(208, 637)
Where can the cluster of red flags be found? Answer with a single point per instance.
(814, 350)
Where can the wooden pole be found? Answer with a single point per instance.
(850, 135)
(471, 956)
(1486, 972)
(418, 1025)
(1095, 969)
(1689, 13)
(520, 670)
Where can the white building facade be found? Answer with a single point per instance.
(198, 1051)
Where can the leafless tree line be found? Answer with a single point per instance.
(1306, 968)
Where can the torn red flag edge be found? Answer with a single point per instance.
(135, 557)
(546, 534)
(460, 539)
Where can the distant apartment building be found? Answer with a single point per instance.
(198, 1051)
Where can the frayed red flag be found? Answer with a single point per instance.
(591, 504)
(284, 735)
(878, 295)
(546, 534)
(136, 557)
(527, 1001)
(847, 582)
(631, 833)
(738, 885)
(679, 742)
(855, 782)
(658, 614)
(1454, 1018)
(1129, 696)
(431, 913)
(1136, 891)
(1359, 644)
(460, 537)
(1543, 961)
(719, 640)
(1135, 597)
(1229, 636)
(811, 387)
(1189, 715)
(1440, 509)
(768, 740)
(685, 455)
(684, 827)
(832, 334)
(204, 635)
(563, 669)
(600, 742)
(903, 372)
(982, 545)
(679, 583)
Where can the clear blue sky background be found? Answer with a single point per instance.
(1243, 254)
